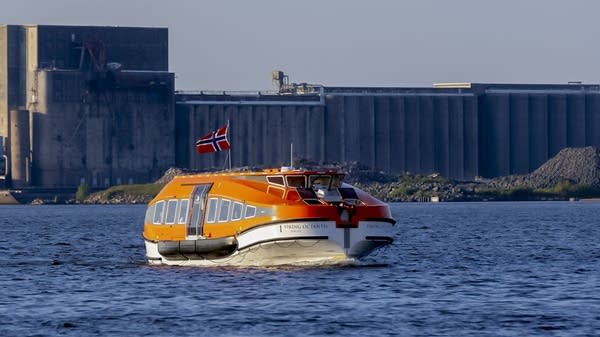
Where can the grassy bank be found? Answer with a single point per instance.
(132, 190)
(402, 188)
(409, 188)
(562, 191)
(126, 194)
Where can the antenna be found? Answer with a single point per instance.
(292, 155)
(229, 152)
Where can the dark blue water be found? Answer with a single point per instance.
(473, 269)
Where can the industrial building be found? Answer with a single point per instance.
(459, 130)
(388, 129)
(82, 105)
(97, 105)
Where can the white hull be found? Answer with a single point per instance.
(290, 243)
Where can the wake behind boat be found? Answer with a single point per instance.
(264, 218)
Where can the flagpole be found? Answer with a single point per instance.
(225, 162)
(229, 154)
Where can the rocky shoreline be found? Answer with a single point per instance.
(572, 174)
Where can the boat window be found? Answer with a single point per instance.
(195, 215)
(236, 211)
(296, 181)
(197, 205)
(307, 193)
(224, 210)
(158, 213)
(276, 180)
(292, 195)
(319, 181)
(250, 211)
(348, 193)
(171, 212)
(212, 210)
(183, 211)
(149, 214)
(337, 180)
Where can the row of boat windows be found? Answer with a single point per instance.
(312, 181)
(175, 211)
(170, 212)
(223, 210)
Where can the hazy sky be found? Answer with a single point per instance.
(234, 45)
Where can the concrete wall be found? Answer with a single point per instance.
(404, 132)
(260, 134)
(592, 119)
(117, 136)
(12, 73)
(19, 148)
(4, 117)
(393, 133)
(520, 130)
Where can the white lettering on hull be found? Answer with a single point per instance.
(301, 227)
(376, 225)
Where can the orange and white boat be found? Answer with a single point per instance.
(270, 217)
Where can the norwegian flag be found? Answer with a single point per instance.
(214, 141)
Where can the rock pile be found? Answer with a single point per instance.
(580, 166)
(171, 172)
(577, 165)
(117, 198)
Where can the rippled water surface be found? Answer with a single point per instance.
(472, 269)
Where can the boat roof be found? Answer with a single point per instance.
(268, 172)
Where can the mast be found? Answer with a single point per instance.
(229, 150)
